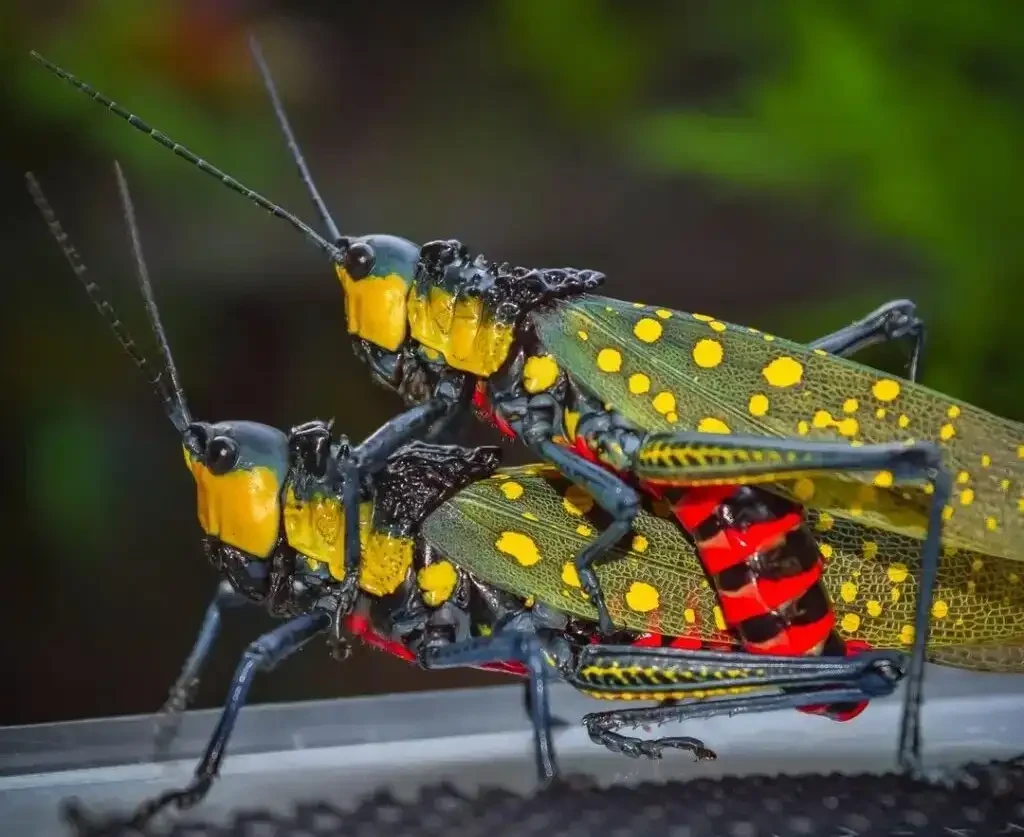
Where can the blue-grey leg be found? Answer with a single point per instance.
(183, 691)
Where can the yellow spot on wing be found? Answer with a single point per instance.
(947, 432)
(966, 497)
(719, 618)
(940, 609)
(664, 313)
(850, 405)
(639, 383)
(704, 318)
(511, 489)
(803, 489)
(690, 615)
(539, 373)
(886, 389)
(848, 591)
(664, 402)
(783, 372)
(712, 425)
(848, 427)
(530, 516)
(577, 501)
(907, 635)
(870, 550)
(642, 597)
(582, 335)
(874, 608)
(519, 546)
(647, 330)
(883, 479)
(903, 421)
(826, 550)
(569, 575)
(850, 623)
(758, 405)
(707, 353)
(897, 572)
(640, 543)
(609, 360)
(715, 325)
(953, 411)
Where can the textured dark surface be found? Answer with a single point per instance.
(980, 800)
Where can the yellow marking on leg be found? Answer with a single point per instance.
(521, 547)
(783, 372)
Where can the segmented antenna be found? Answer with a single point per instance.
(149, 300)
(293, 146)
(312, 235)
(156, 381)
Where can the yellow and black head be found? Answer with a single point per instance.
(240, 466)
(376, 273)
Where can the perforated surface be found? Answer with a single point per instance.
(982, 800)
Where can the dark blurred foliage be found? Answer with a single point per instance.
(786, 165)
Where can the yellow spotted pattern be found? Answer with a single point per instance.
(658, 585)
(701, 367)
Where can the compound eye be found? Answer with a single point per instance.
(221, 455)
(359, 260)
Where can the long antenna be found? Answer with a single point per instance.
(335, 253)
(99, 301)
(293, 146)
(142, 274)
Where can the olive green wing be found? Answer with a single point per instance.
(871, 576)
(521, 529)
(668, 370)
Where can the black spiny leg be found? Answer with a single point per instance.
(511, 646)
(612, 495)
(183, 690)
(266, 652)
(895, 320)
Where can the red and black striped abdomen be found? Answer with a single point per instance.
(763, 563)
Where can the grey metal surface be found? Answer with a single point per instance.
(343, 750)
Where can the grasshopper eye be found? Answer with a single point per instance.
(221, 455)
(359, 260)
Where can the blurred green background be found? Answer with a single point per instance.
(787, 165)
